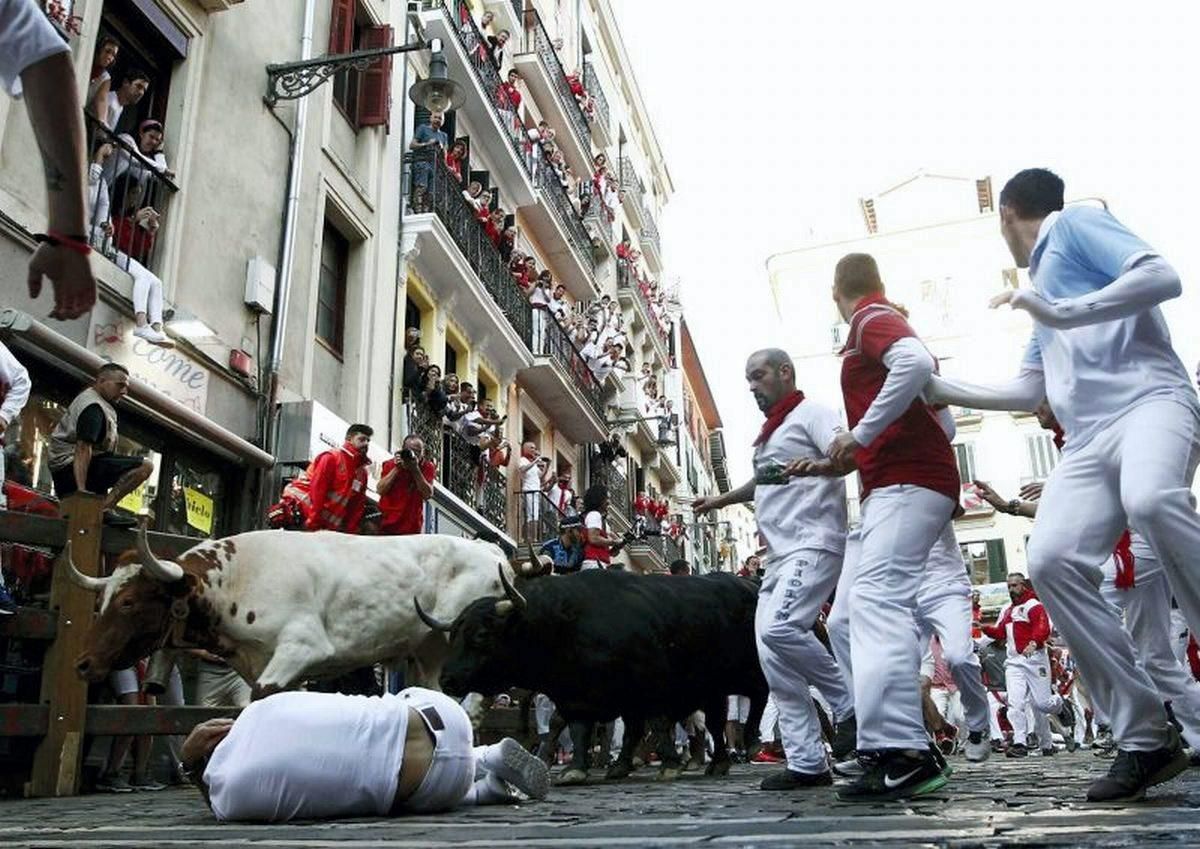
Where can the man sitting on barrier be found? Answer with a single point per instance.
(303, 755)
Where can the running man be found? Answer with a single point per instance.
(803, 521)
(1101, 354)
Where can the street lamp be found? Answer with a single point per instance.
(437, 92)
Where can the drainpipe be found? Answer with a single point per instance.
(287, 246)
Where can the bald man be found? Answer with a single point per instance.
(803, 521)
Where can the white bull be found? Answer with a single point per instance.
(284, 606)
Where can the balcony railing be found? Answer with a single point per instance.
(672, 550)
(649, 234)
(538, 41)
(619, 500)
(461, 468)
(630, 183)
(591, 83)
(597, 220)
(434, 188)
(550, 340)
(479, 57)
(128, 199)
(539, 518)
(577, 234)
(626, 281)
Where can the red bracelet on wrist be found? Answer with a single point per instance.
(79, 244)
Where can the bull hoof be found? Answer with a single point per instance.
(618, 770)
(668, 773)
(717, 768)
(572, 778)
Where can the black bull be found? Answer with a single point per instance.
(603, 644)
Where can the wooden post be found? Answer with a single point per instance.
(57, 760)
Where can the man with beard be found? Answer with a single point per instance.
(803, 521)
(332, 491)
(1025, 628)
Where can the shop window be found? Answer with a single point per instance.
(364, 97)
(987, 561)
(331, 288)
(194, 499)
(964, 454)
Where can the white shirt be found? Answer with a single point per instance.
(26, 38)
(14, 386)
(806, 512)
(531, 478)
(472, 418)
(115, 108)
(560, 497)
(309, 756)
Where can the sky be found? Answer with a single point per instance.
(775, 117)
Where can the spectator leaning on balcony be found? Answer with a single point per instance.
(14, 393)
(471, 194)
(411, 373)
(82, 452)
(496, 47)
(508, 97)
(134, 225)
(534, 474)
(332, 491)
(427, 140)
(561, 495)
(100, 80)
(134, 84)
(456, 158)
(149, 158)
(404, 487)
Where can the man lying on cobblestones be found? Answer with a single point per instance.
(307, 755)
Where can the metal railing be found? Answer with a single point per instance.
(619, 500)
(577, 234)
(538, 518)
(479, 57)
(649, 234)
(672, 550)
(128, 198)
(538, 41)
(626, 281)
(550, 340)
(518, 8)
(462, 467)
(434, 188)
(591, 83)
(597, 220)
(630, 184)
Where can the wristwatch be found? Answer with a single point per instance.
(1013, 506)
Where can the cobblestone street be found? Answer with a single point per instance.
(1034, 802)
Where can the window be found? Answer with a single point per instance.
(364, 97)
(149, 41)
(1043, 456)
(868, 211)
(964, 455)
(987, 562)
(838, 333)
(451, 358)
(331, 288)
(983, 192)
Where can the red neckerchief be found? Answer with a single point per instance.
(359, 458)
(778, 412)
(1123, 554)
(1060, 438)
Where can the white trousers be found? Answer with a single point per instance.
(147, 289)
(950, 705)
(994, 705)
(770, 718)
(1136, 473)
(1028, 681)
(873, 624)
(1146, 609)
(793, 659)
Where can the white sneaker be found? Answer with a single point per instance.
(524, 770)
(852, 767)
(978, 750)
(154, 337)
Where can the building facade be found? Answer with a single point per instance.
(937, 242)
(300, 240)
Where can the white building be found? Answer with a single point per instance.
(938, 245)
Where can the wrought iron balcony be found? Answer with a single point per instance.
(672, 550)
(459, 467)
(650, 243)
(591, 82)
(538, 518)
(631, 289)
(434, 188)
(599, 224)
(479, 59)
(632, 193)
(550, 340)
(620, 502)
(556, 197)
(538, 41)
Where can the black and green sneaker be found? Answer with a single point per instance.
(898, 774)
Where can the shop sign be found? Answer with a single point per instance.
(199, 510)
(168, 370)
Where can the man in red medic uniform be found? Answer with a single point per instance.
(332, 491)
(1025, 628)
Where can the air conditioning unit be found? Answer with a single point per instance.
(260, 285)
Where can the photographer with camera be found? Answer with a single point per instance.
(405, 486)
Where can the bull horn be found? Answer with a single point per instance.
(89, 583)
(162, 570)
(514, 596)
(429, 620)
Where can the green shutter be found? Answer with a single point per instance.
(997, 560)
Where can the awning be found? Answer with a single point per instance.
(23, 332)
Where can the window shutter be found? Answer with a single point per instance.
(997, 560)
(375, 88)
(341, 27)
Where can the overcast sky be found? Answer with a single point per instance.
(775, 117)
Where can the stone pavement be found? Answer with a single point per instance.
(1032, 802)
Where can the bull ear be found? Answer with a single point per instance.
(509, 590)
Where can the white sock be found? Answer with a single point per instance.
(488, 790)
